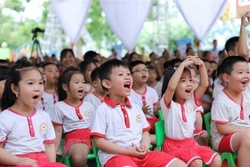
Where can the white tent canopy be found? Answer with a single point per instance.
(126, 18)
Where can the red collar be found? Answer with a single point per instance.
(112, 103)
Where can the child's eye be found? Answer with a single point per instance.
(30, 83)
(83, 82)
(76, 82)
(240, 72)
(41, 83)
(120, 74)
(248, 72)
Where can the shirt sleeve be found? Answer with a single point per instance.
(50, 134)
(145, 124)
(99, 122)
(3, 131)
(56, 115)
(219, 113)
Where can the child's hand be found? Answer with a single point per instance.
(27, 162)
(146, 109)
(141, 149)
(197, 61)
(137, 151)
(245, 20)
(188, 61)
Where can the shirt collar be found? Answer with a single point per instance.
(112, 103)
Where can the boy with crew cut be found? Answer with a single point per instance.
(230, 111)
(119, 127)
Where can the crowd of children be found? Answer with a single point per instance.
(115, 104)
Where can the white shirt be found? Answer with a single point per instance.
(93, 99)
(149, 98)
(70, 117)
(47, 101)
(179, 118)
(122, 125)
(226, 111)
(217, 89)
(25, 134)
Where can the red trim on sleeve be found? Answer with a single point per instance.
(220, 122)
(49, 141)
(167, 105)
(57, 124)
(97, 134)
(196, 101)
(146, 129)
(2, 142)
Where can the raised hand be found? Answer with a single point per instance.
(245, 19)
(146, 109)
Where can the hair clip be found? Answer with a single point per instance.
(175, 68)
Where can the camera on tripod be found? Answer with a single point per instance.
(35, 31)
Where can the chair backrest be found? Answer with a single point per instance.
(207, 120)
(160, 114)
(159, 133)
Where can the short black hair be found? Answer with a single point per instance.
(228, 63)
(49, 63)
(89, 55)
(2, 61)
(106, 68)
(94, 74)
(4, 70)
(84, 65)
(231, 43)
(64, 53)
(135, 63)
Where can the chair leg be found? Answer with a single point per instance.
(229, 158)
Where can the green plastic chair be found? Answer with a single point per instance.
(159, 134)
(66, 160)
(228, 156)
(160, 114)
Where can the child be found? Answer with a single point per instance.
(27, 136)
(4, 70)
(71, 116)
(86, 67)
(200, 135)
(178, 104)
(49, 97)
(231, 110)
(95, 98)
(143, 95)
(119, 127)
(152, 80)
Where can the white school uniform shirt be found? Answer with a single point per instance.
(70, 117)
(157, 87)
(93, 99)
(87, 87)
(122, 125)
(217, 89)
(21, 134)
(226, 111)
(180, 118)
(149, 97)
(47, 101)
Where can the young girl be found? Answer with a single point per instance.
(178, 104)
(86, 68)
(27, 136)
(71, 116)
(152, 80)
(49, 97)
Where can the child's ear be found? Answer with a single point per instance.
(106, 83)
(225, 77)
(14, 89)
(65, 87)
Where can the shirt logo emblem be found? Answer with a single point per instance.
(138, 118)
(43, 127)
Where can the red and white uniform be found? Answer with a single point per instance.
(70, 117)
(226, 111)
(93, 99)
(123, 125)
(47, 101)
(179, 127)
(21, 134)
(149, 98)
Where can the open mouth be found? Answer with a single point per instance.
(127, 85)
(35, 97)
(188, 90)
(144, 77)
(80, 91)
(244, 82)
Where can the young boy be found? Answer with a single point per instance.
(95, 98)
(49, 97)
(119, 127)
(143, 95)
(231, 110)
